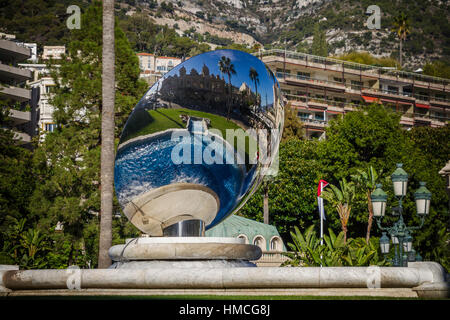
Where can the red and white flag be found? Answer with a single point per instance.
(320, 187)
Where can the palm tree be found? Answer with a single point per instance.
(402, 29)
(254, 76)
(367, 181)
(107, 148)
(227, 67)
(341, 199)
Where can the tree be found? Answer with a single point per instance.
(401, 27)
(341, 199)
(226, 67)
(253, 74)
(437, 69)
(293, 127)
(16, 180)
(291, 196)
(66, 166)
(319, 45)
(367, 180)
(107, 147)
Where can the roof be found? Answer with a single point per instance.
(234, 225)
(168, 58)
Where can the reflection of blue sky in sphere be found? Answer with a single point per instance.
(147, 164)
(242, 62)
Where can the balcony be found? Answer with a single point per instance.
(368, 71)
(11, 74)
(271, 259)
(19, 117)
(21, 137)
(12, 52)
(14, 93)
(314, 123)
(310, 82)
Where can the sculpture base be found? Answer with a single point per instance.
(183, 252)
(182, 264)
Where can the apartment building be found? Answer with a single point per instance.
(322, 88)
(24, 112)
(154, 67)
(53, 52)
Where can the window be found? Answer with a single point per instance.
(340, 80)
(243, 236)
(303, 75)
(260, 242)
(356, 85)
(276, 244)
(50, 127)
(303, 115)
(407, 91)
(49, 89)
(161, 68)
(319, 116)
(440, 96)
(392, 89)
(149, 65)
(280, 73)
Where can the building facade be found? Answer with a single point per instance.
(265, 236)
(23, 103)
(53, 52)
(322, 88)
(153, 67)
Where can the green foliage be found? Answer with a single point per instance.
(293, 128)
(16, 179)
(319, 45)
(25, 247)
(371, 141)
(292, 195)
(437, 69)
(146, 36)
(306, 250)
(40, 21)
(367, 58)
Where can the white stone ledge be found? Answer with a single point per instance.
(226, 278)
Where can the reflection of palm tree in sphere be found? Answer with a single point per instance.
(227, 67)
(254, 76)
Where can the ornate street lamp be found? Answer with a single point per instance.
(384, 244)
(423, 199)
(400, 181)
(379, 199)
(400, 233)
(407, 244)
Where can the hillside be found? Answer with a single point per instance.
(193, 26)
(290, 23)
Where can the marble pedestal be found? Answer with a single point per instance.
(183, 252)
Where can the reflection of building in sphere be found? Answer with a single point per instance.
(207, 91)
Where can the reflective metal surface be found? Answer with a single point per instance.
(185, 228)
(180, 156)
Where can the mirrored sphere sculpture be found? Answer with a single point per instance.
(177, 171)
